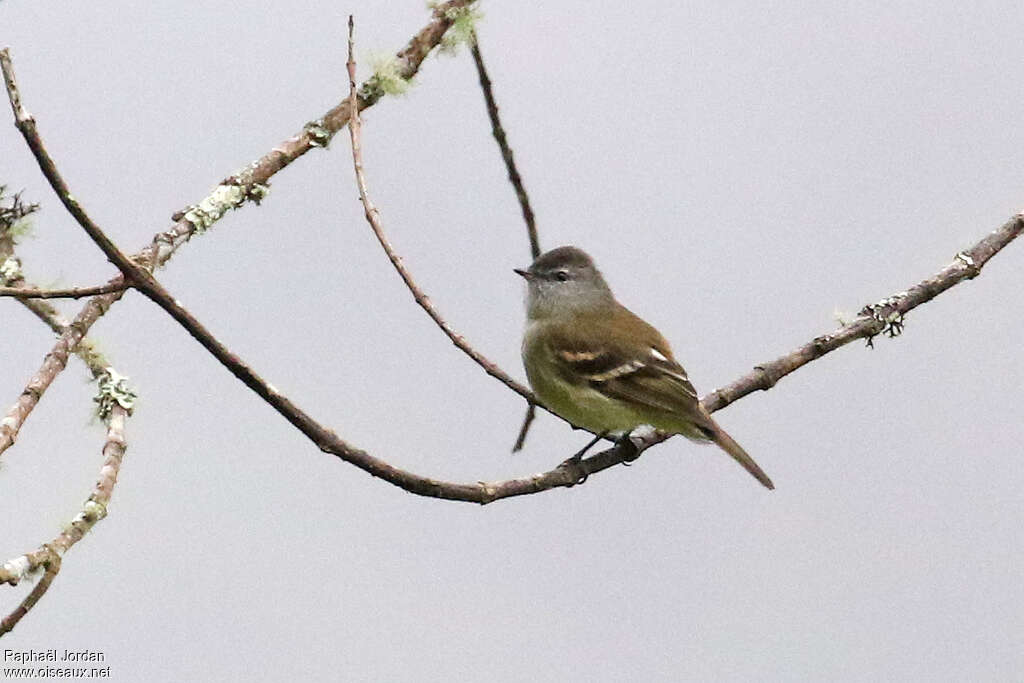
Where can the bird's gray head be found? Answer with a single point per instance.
(564, 280)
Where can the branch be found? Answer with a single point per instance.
(531, 413)
(373, 218)
(73, 293)
(517, 184)
(249, 184)
(49, 555)
(506, 152)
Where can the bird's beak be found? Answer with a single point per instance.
(527, 275)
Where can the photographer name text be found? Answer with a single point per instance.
(53, 655)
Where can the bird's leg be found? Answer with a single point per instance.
(580, 453)
(574, 461)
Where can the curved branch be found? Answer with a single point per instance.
(373, 218)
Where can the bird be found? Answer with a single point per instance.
(595, 363)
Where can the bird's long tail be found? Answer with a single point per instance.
(729, 445)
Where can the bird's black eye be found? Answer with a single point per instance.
(562, 275)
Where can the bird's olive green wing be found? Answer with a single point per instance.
(626, 359)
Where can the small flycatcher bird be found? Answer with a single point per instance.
(602, 368)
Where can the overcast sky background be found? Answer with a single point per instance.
(739, 172)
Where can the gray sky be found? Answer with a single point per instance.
(739, 172)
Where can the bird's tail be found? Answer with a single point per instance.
(729, 445)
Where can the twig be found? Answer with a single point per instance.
(73, 293)
(373, 218)
(247, 185)
(506, 151)
(531, 413)
(517, 184)
(49, 555)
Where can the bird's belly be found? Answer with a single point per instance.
(589, 409)
(585, 407)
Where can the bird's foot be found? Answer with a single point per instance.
(633, 443)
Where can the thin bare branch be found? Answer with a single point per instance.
(531, 413)
(71, 293)
(373, 218)
(517, 184)
(506, 151)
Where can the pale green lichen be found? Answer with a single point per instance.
(887, 312)
(18, 568)
(113, 390)
(20, 229)
(387, 78)
(463, 28)
(10, 269)
(94, 510)
(214, 206)
(91, 353)
(257, 192)
(318, 134)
